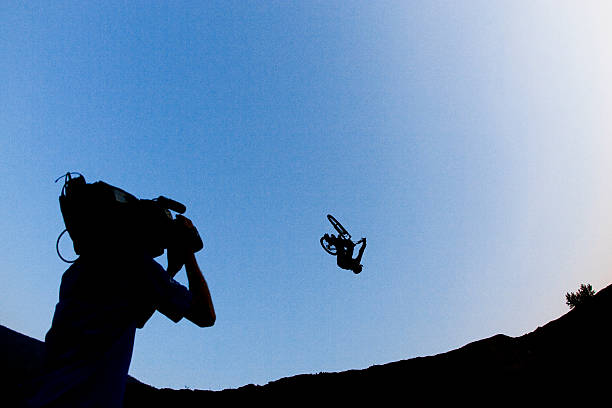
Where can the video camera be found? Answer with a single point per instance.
(99, 216)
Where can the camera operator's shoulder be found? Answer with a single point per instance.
(148, 264)
(138, 267)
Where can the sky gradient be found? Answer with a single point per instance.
(470, 142)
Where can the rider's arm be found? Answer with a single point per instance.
(202, 311)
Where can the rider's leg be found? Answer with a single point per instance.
(361, 249)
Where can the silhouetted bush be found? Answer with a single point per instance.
(574, 299)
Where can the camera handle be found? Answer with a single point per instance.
(58, 250)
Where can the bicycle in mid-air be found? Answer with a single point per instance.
(342, 246)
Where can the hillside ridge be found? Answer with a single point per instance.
(574, 345)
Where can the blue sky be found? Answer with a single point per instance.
(470, 142)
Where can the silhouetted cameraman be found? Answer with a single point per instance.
(113, 288)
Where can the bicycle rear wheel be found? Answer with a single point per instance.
(343, 232)
(329, 248)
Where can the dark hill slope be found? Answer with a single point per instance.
(21, 357)
(569, 355)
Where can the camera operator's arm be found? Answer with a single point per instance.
(202, 311)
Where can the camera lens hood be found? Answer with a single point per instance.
(171, 204)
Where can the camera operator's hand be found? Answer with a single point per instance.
(178, 251)
(184, 221)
